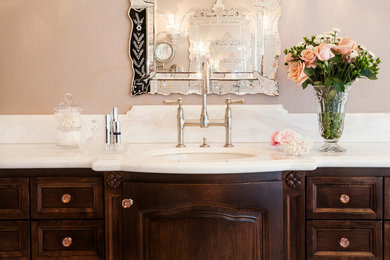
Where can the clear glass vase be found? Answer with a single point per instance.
(331, 114)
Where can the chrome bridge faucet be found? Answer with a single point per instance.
(204, 121)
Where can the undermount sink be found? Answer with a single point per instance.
(202, 154)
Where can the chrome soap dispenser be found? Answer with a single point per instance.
(112, 131)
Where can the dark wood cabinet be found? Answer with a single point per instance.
(208, 220)
(326, 214)
(75, 205)
(345, 214)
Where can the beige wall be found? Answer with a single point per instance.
(48, 48)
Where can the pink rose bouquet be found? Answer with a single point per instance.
(331, 61)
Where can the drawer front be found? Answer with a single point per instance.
(66, 198)
(335, 239)
(68, 239)
(387, 198)
(15, 240)
(386, 243)
(14, 198)
(344, 197)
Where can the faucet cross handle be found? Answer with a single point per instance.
(229, 101)
(204, 144)
(179, 102)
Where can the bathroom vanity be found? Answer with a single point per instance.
(156, 201)
(328, 213)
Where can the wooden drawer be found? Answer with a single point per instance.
(387, 198)
(68, 239)
(344, 197)
(66, 198)
(14, 198)
(386, 238)
(335, 239)
(14, 240)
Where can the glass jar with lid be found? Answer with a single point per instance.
(68, 123)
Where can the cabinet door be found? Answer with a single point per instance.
(14, 198)
(203, 221)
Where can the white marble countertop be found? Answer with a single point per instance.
(26, 141)
(139, 158)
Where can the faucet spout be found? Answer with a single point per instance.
(204, 117)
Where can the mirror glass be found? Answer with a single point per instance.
(170, 38)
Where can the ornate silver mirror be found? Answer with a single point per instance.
(169, 39)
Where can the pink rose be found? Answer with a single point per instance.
(281, 136)
(309, 56)
(288, 57)
(346, 46)
(273, 138)
(296, 72)
(323, 52)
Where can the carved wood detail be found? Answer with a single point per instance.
(293, 179)
(113, 216)
(294, 215)
(114, 180)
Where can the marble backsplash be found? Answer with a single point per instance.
(157, 124)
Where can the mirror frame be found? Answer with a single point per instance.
(145, 79)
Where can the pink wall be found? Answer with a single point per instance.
(48, 48)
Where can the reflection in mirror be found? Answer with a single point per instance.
(239, 38)
(164, 53)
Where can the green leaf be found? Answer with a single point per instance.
(316, 83)
(326, 63)
(328, 82)
(338, 84)
(368, 74)
(309, 72)
(319, 64)
(337, 59)
(305, 84)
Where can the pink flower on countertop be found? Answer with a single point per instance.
(281, 136)
(346, 46)
(273, 138)
(296, 72)
(323, 52)
(309, 56)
